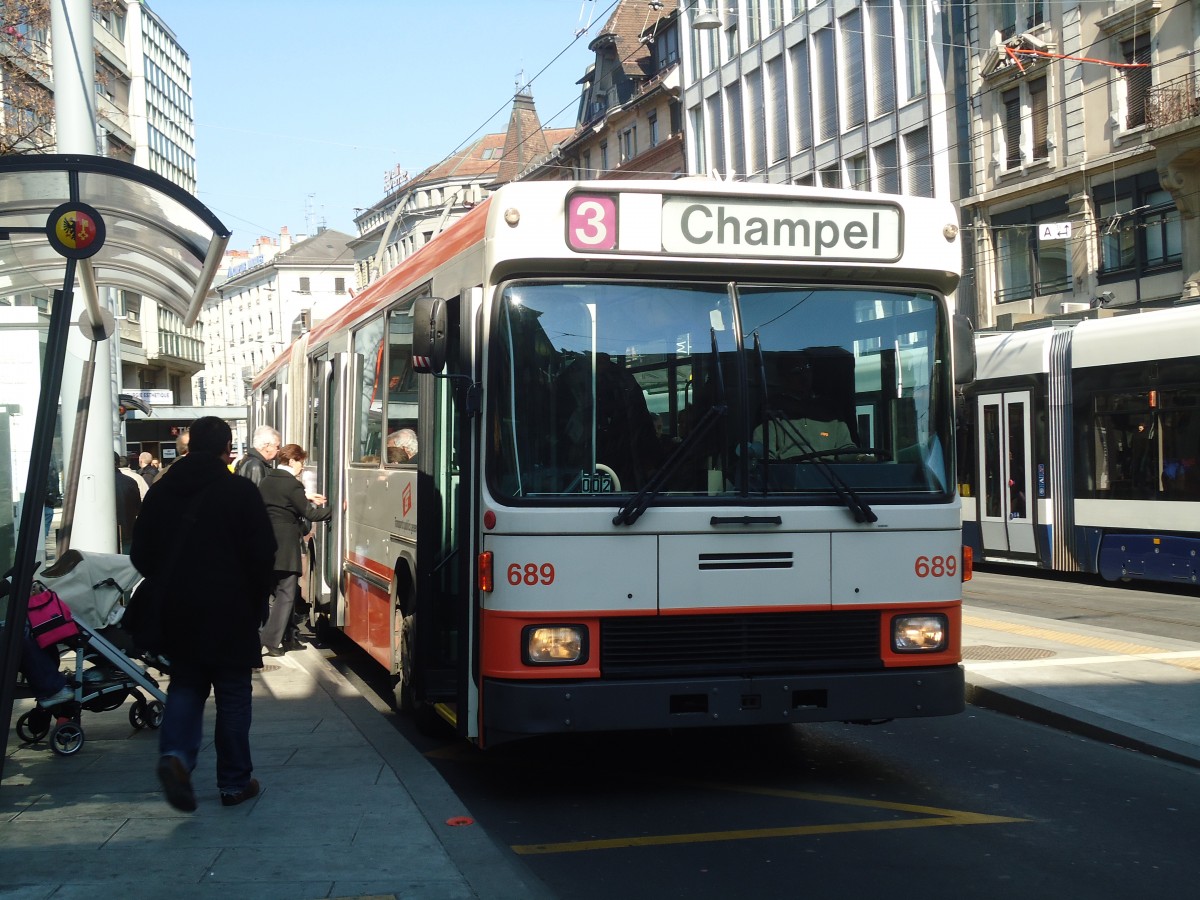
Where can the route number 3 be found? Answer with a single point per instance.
(591, 222)
(530, 574)
(936, 566)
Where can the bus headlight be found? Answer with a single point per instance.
(562, 645)
(919, 634)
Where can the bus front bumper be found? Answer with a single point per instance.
(519, 708)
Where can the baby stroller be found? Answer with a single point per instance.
(95, 586)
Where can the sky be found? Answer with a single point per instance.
(302, 106)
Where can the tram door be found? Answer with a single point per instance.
(1006, 499)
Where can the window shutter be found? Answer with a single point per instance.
(826, 70)
(1137, 81)
(737, 129)
(883, 58)
(801, 96)
(1040, 114)
(853, 73)
(887, 168)
(778, 102)
(757, 123)
(920, 163)
(1011, 101)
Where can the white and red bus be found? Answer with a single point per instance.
(684, 457)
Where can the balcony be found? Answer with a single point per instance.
(1176, 101)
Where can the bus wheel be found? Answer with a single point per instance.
(404, 690)
(323, 629)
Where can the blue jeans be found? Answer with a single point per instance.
(183, 719)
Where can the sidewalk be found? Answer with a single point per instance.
(349, 809)
(1131, 690)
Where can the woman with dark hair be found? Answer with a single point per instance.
(287, 506)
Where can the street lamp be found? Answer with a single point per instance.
(705, 19)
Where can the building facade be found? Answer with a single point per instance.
(630, 123)
(265, 299)
(415, 209)
(1085, 129)
(860, 94)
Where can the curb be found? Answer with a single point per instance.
(997, 696)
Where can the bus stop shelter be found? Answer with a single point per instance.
(73, 225)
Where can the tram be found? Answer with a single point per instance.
(1079, 447)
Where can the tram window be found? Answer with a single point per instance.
(368, 411)
(1137, 440)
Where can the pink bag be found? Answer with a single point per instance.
(50, 619)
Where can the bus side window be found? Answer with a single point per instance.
(401, 442)
(368, 412)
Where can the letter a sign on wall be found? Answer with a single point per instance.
(1054, 231)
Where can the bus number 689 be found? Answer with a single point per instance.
(530, 574)
(936, 566)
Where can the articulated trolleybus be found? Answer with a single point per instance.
(683, 457)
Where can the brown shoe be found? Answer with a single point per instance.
(176, 783)
(246, 793)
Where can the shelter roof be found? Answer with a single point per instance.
(157, 239)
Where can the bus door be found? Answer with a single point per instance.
(334, 414)
(445, 618)
(1006, 500)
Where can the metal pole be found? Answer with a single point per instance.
(30, 528)
(89, 492)
(75, 457)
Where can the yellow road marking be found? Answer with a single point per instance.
(931, 817)
(1121, 648)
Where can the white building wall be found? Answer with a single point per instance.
(161, 86)
(863, 101)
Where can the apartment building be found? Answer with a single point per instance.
(416, 208)
(629, 123)
(862, 94)
(1085, 128)
(266, 298)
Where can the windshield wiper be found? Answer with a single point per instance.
(857, 505)
(640, 502)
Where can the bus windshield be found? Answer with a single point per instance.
(715, 390)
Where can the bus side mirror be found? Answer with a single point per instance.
(429, 335)
(962, 338)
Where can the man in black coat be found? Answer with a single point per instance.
(204, 541)
(258, 460)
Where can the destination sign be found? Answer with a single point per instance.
(735, 226)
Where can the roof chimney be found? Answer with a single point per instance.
(285, 240)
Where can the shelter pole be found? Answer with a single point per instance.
(90, 524)
(75, 458)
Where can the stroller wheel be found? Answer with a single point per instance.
(154, 713)
(34, 725)
(66, 738)
(145, 713)
(138, 715)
